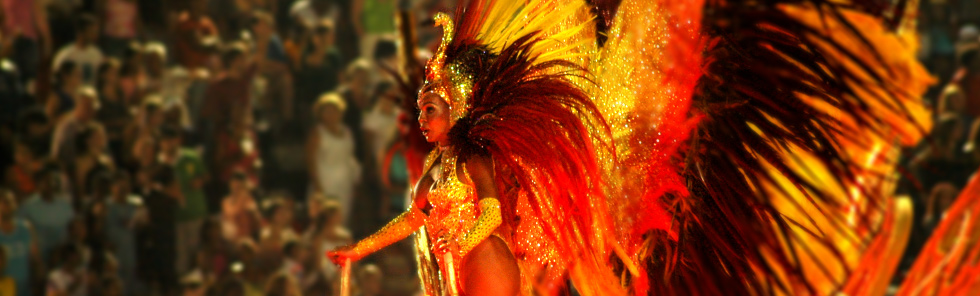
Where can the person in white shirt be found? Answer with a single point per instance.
(311, 12)
(83, 51)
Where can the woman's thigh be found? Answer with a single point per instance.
(490, 269)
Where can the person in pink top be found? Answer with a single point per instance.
(27, 20)
(121, 24)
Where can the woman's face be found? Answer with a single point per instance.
(434, 117)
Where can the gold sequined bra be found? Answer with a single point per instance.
(453, 200)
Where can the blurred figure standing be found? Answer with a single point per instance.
(83, 51)
(191, 175)
(27, 22)
(334, 170)
(17, 237)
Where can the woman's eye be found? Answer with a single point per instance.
(429, 110)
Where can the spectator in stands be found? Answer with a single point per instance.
(49, 210)
(965, 84)
(228, 97)
(369, 279)
(121, 23)
(239, 213)
(328, 233)
(124, 214)
(8, 286)
(319, 70)
(17, 237)
(27, 21)
(159, 266)
(296, 253)
(132, 75)
(278, 99)
(191, 175)
(69, 277)
(195, 35)
(67, 81)
(20, 175)
(82, 116)
(334, 170)
(114, 110)
(83, 51)
(281, 284)
(357, 90)
(90, 160)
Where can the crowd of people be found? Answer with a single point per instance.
(200, 147)
(940, 167)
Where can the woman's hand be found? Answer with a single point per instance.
(443, 243)
(340, 255)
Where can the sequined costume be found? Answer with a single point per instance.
(686, 147)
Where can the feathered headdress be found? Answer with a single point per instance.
(509, 71)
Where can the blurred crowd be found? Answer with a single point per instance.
(200, 147)
(941, 165)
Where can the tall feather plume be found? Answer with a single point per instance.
(789, 169)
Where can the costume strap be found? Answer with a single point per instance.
(397, 229)
(485, 225)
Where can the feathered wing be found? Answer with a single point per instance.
(950, 262)
(761, 136)
(528, 114)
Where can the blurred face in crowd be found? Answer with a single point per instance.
(23, 155)
(154, 63)
(283, 215)
(198, 7)
(120, 189)
(323, 37)
(237, 185)
(73, 80)
(7, 205)
(330, 115)
(85, 109)
(110, 77)
(169, 145)
(154, 118)
(49, 184)
(434, 117)
(91, 34)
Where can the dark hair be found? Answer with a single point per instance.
(68, 250)
(967, 54)
(380, 89)
(238, 175)
(164, 175)
(133, 49)
(168, 132)
(84, 135)
(120, 176)
(230, 53)
(49, 167)
(385, 48)
(108, 64)
(290, 247)
(64, 70)
(85, 21)
(31, 116)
